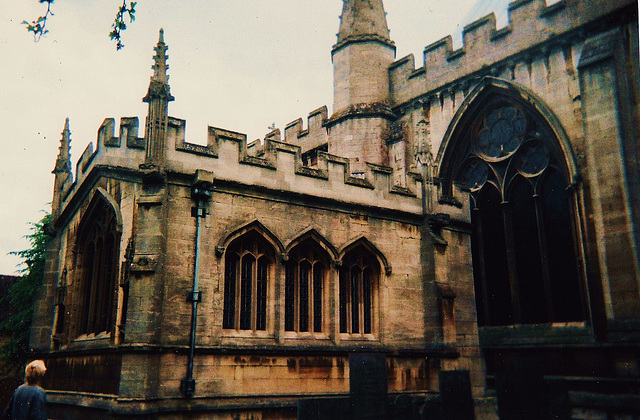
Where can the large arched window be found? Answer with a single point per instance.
(304, 290)
(524, 255)
(248, 264)
(98, 254)
(359, 277)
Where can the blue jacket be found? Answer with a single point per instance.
(29, 403)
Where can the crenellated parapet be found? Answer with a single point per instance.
(128, 134)
(314, 136)
(487, 50)
(278, 165)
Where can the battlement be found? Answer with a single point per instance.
(313, 136)
(277, 165)
(531, 23)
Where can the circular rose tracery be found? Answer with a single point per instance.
(533, 160)
(502, 133)
(475, 175)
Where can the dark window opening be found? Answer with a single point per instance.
(304, 288)
(358, 283)
(248, 264)
(98, 256)
(523, 242)
(310, 158)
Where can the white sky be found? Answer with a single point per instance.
(235, 64)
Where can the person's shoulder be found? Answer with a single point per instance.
(30, 389)
(36, 389)
(22, 388)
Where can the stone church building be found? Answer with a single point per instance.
(459, 215)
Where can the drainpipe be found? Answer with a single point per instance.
(200, 192)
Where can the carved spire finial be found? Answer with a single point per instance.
(63, 162)
(62, 170)
(159, 86)
(160, 66)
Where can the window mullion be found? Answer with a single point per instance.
(303, 302)
(343, 292)
(544, 258)
(238, 296)
(95, 288)
(311, 305)
(367, 301)
(511, 262)
(254, 295)
(296, 302)
(481, 264)
(238, 299)
(317, 291)
(290, 296)
(361, 301)
(355, 310)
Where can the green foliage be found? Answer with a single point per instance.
(119, 25)
(38, 26)
(22, 297)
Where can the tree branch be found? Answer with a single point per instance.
(119, 25)
(38, 26)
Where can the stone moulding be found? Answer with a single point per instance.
(238, 231)
(354, 39)
(312, 233)
(196, 149)
(363, 241)
(335, 253)
(366, 110)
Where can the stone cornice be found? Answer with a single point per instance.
(362, 111)
(356, 39)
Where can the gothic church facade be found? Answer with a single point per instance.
(456, 216)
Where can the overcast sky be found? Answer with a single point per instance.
(235, 64)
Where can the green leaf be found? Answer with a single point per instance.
(22, 295)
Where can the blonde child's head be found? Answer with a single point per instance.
(34, 372)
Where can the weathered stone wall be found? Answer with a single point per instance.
(361, 140)
(360, 74)
(612, 179)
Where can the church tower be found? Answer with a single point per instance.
(361, 59)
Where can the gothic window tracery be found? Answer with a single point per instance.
(98, 252)
(524, 253)
(248, 265)
(305, 276)
(359, 277)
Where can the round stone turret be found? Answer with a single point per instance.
(361, 60)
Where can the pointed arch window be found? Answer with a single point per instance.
(524, 233)
(305, 276)
(97, 244)
(248, 264)
(359, 276)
